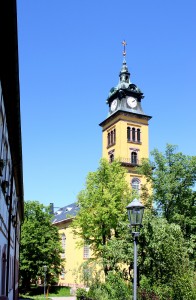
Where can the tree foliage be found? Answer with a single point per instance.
(103, 208)
(173, 177)
(40, 245)
(164, 261)
(167, 239)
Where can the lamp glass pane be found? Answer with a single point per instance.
(136, 215)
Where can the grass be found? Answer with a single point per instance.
(37, 293)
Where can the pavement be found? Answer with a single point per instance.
(63, 298)
(56, 298)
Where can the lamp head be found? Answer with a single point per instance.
(45, 268)
(135, 211)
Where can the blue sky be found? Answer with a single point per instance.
(70, 55)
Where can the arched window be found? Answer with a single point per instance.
(135, 183)
(63, 243)
(63, 274)
(112, 137)
(111, 157)
(108, 138)
(86, 252)
(138, 135)
(133, 134)
(134, 157)
(128, 134)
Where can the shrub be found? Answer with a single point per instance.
(115, 288)
(81, 294)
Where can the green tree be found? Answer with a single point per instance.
(103, 211)
(102, 223)
(40, 245)
(173, 176)
(164, 261)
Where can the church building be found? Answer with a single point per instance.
(125, 138)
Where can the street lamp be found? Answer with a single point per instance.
(45, 270)
(135, 214)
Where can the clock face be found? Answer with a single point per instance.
(132, 102)
(114, 105)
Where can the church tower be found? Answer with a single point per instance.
(125, 130)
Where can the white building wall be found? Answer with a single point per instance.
(8, 209)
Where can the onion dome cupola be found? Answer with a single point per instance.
(126, 96)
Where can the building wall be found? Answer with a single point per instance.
(74, 255)
(9, 217)
(122, 148)
(11, 175)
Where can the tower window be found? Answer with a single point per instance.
(108, 138)
(111, 158)
(138, 135)
(134, 158)
(128, 134)
(133, 134)
(111, 137)
(111, 155)
(135, 183)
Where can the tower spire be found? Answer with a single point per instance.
(124, 48)
(124, 73)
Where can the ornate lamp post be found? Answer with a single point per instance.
(45, 270)
(135, 214)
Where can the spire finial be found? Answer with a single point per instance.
(124, 47)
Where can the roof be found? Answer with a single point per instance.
(65, 213)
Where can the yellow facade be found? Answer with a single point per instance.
(122, 147)
(73, 256)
